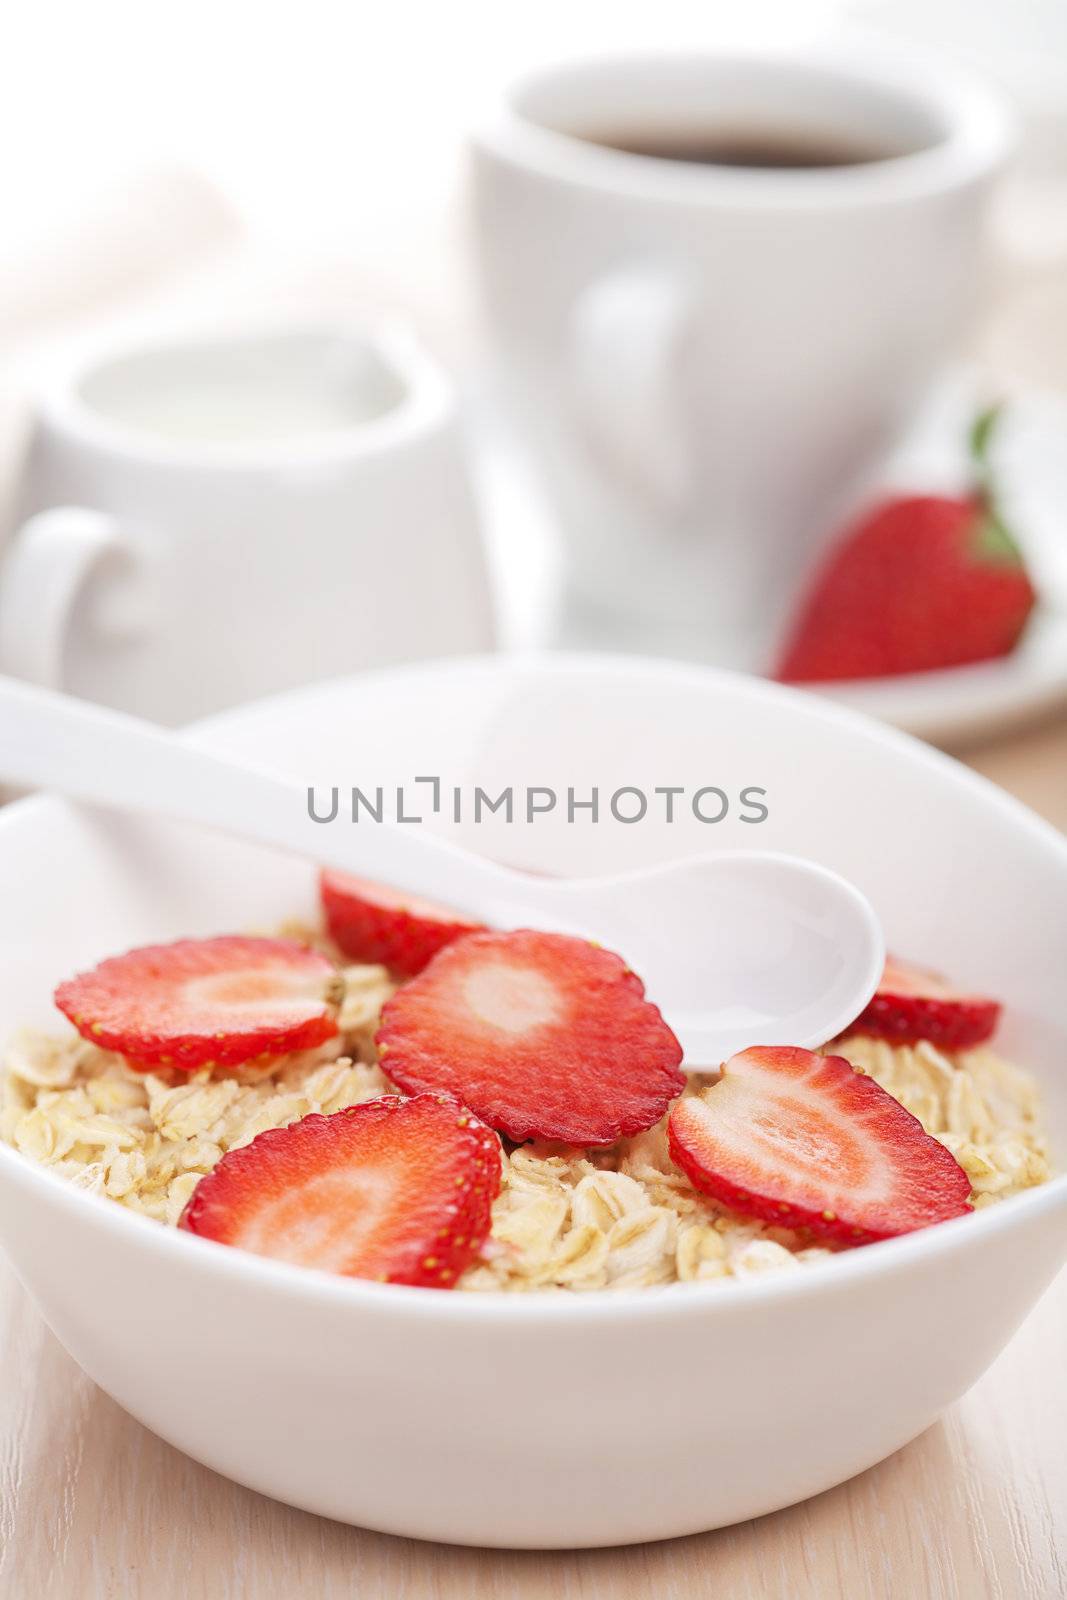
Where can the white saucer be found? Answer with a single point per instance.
(949, 708)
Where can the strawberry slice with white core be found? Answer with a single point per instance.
(910, 1004)
(542, 1035)
(372, 923)
(221, 1001)
(806, 1141)
(393, 1189)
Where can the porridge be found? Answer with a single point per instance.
(648, 1205)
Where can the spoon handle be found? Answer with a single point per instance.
(91, 753)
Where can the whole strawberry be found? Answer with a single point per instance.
(920, 582)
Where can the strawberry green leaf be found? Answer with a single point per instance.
(982, 429)
(993, 541)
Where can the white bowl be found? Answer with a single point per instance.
(555, 1421)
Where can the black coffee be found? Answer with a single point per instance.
(719, 148)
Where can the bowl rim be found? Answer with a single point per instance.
(311, 1284)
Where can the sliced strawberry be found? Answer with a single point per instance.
(806, 1141)
(393, 1189)
(544, 1036)
(910, 1004)
(372, 923)
(222, 1001)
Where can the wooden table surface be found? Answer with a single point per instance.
(94, 1506)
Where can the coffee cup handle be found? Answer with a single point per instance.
(628, 344)
(49, 560)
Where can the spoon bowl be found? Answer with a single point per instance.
(735, 949)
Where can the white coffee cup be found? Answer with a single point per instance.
(214, 519)
(706, 359)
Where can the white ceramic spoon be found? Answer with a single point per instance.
(744, 947)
